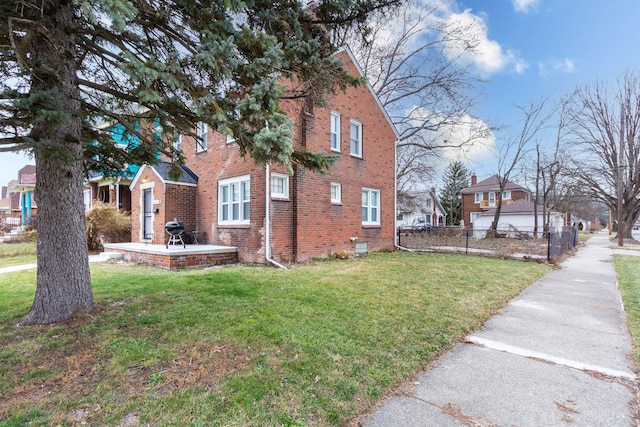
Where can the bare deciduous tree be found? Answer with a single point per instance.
(427, 90)
(535, 118)
(605, 128)
(549, 165)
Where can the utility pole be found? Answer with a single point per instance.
(619, 176)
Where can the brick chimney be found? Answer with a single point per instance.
(474, 179)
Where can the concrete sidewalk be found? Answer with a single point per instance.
(101, 257)
(558, 354)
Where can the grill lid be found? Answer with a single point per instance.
(174, 227)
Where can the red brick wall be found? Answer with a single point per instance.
(180, 204)
(174, 261)
(323, 228)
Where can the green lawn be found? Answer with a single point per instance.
(17, 253)
(628, 269)
(315, 345)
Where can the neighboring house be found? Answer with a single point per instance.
(5, 203)
(21, 193)
(483, 196)
(110, 189)
(519, 217)
(421, 208)
(269, 214)
(114, 190)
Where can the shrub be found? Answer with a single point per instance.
(341, 255)
(29, 236)
(107, 224)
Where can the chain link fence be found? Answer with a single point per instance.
(517, 243)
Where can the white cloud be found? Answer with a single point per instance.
(525, 5)
(487, 56)
(564, 65)
(481, 149)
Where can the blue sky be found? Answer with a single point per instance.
(529, 49)
(545, 48)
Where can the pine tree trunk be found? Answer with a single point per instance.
(63, 278)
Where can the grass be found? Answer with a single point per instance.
(315, 345)
(17, 253)
(628, 269)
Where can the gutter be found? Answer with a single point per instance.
(267, 220)
(395, 199)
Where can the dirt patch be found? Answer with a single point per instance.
(199, 364)
(46, 377)
(454, 411)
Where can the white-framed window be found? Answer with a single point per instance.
(177, 142)
(201, 137)
(370, 206)
(506, 195)
(279, 186)
(355, 138)
(335, 131)
(336, 193)
(86, 197)
(234, 196)
(492, 198)
(479, 197)
(474, 216)
(231, 138)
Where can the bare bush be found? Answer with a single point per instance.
(107, 224)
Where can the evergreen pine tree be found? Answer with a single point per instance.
(456, 178)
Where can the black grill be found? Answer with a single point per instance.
(174, 229)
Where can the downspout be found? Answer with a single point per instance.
(267, 220)
(395, 200)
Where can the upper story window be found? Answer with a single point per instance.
(177, 142)
(201, 137)
(279, 186)
(231, 138)
(370, 206)
(336, 193)
(479, 197)
(506, 195)
(335, 131)
(234, 201)
(355, 138)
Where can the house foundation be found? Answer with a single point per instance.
(175, 257)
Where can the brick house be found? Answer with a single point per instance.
(22, 195)
(112, 189)
(269, 214)
(482, 196)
